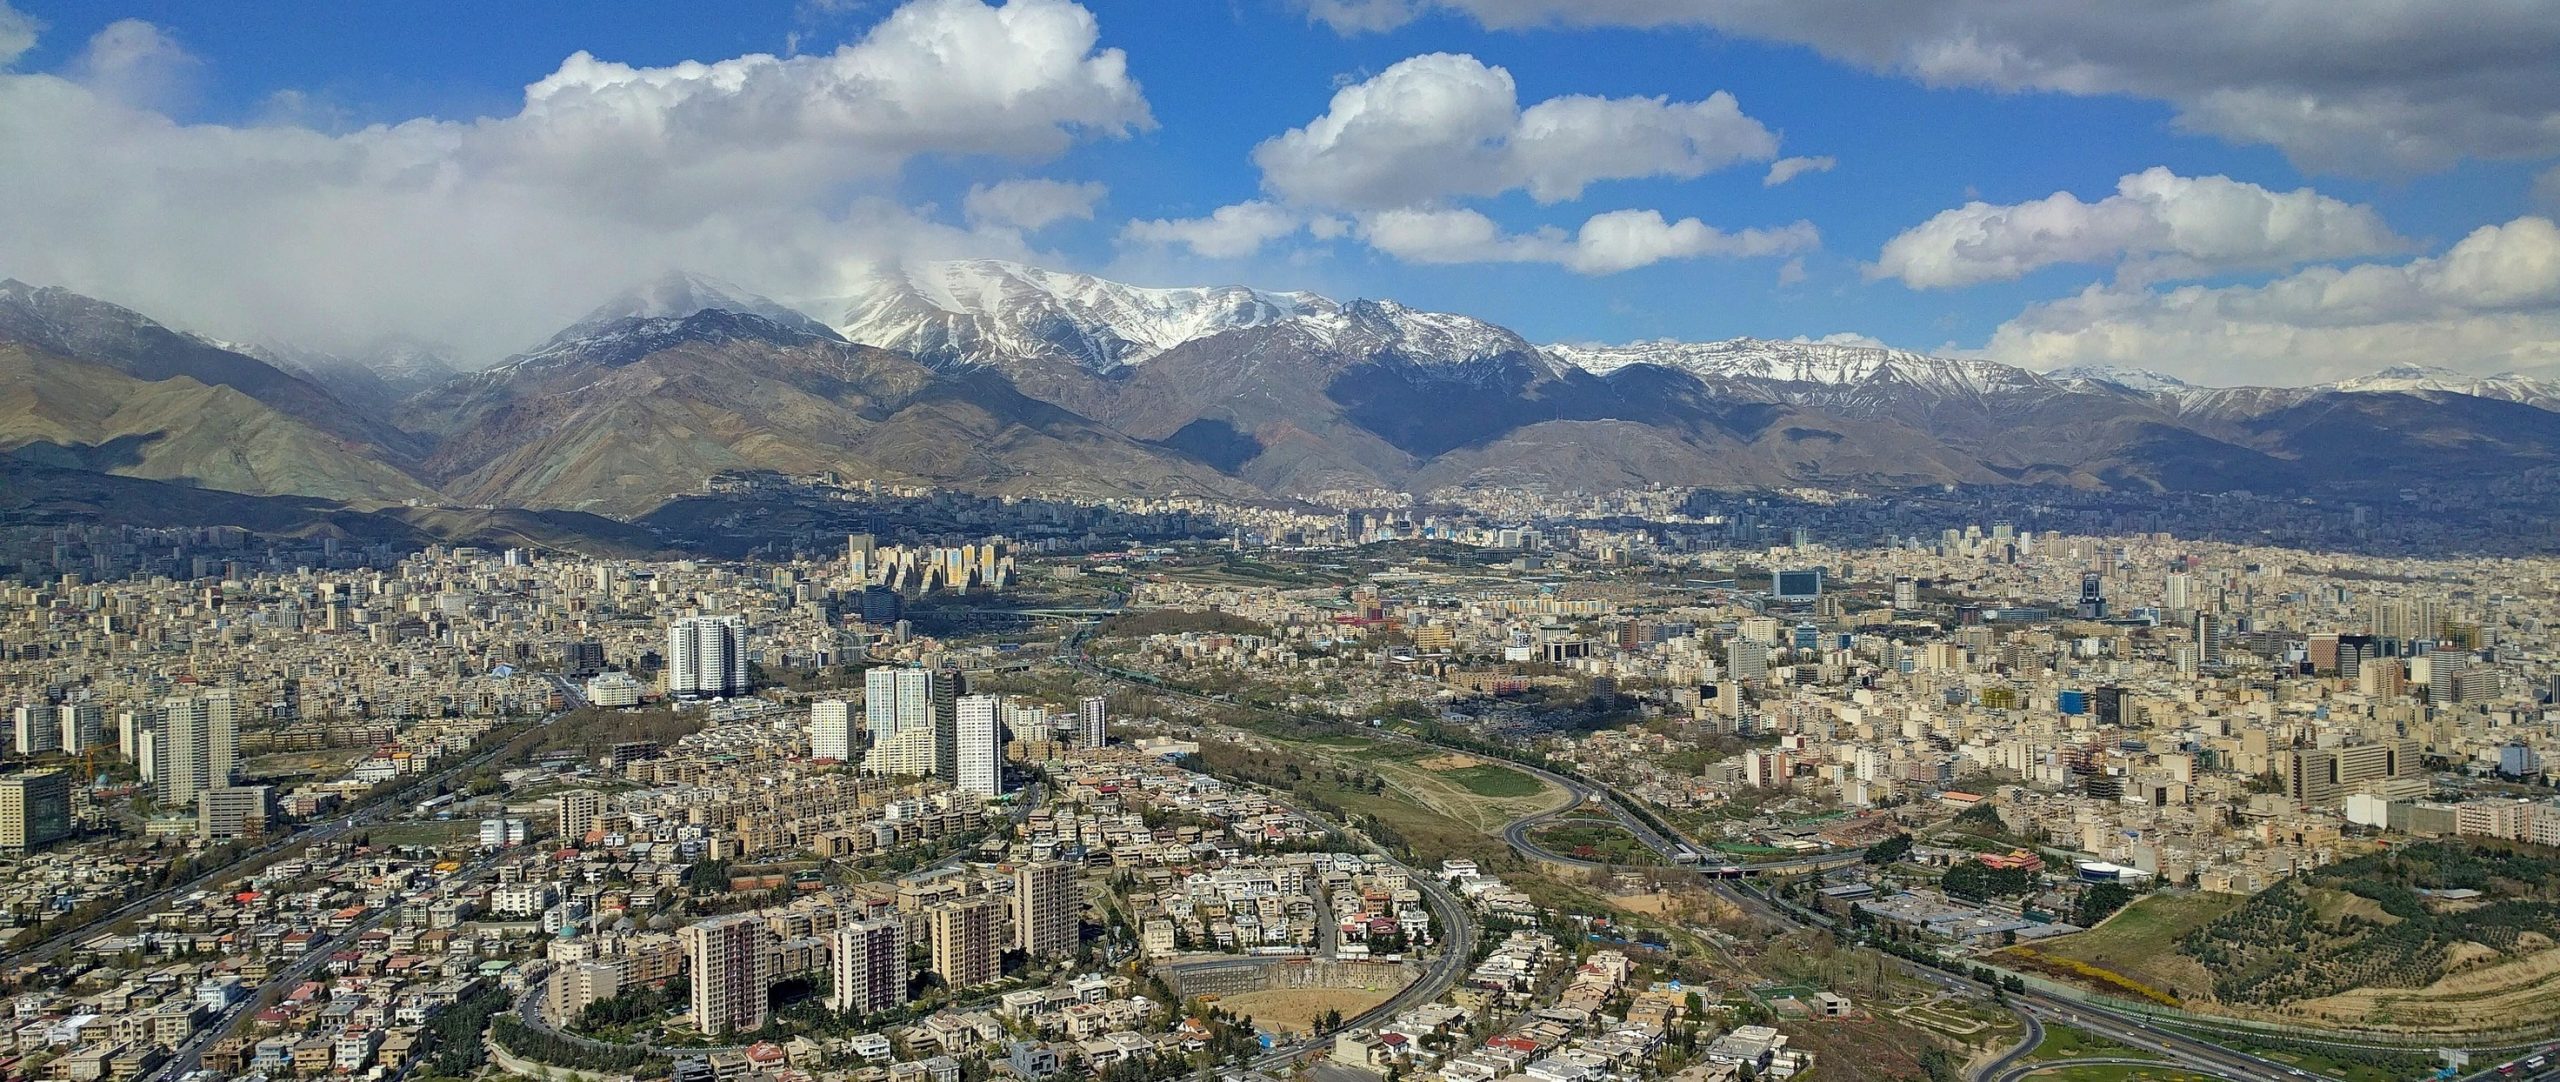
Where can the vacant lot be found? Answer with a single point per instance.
(290, 765)
(2487, 997)
(1294, 1010)
(2141, 942)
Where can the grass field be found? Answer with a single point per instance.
(1488, 779)
(2141, 941)
(2072, 1042)
(1463, 789)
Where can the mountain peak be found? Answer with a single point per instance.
(678, 295)
(1824, 364)
(959, 313)
(2143, 380)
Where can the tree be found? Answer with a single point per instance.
(1889, 850)
(2099, 902)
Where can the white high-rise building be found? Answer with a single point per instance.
(979, 755)
(870, 966)
(831, 730)
(197, 748)
(38, 729)
(2179, 592)
(707, 657)
(84, 726)
(896, 700)
(1093, 721)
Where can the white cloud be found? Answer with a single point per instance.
(1786, 169)
(138, 64)
(2157, 225)
(2490, 302)
(1031, 204)
(1606, 244)
(1843, 338)
(1361, 16)
(769, 171)
(1444, 125)
(17, 34)
(1230, 232)
(2360, 88)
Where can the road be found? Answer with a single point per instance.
(2021, 1071)
(321, 831)
(1457, 925)
(2497, 1072)
(2027, 1042)
(190, 1055)
(2188, 1052)
(1516, 833)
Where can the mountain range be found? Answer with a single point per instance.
(998, 377)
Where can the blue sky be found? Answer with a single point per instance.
(2183, 279)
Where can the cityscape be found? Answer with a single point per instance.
(1280, 541)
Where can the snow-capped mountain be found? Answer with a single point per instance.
(979, 311)
(1825, 366)
(671, 311)
(677, 295)
(2414, 379)
(2426, 379)
(2143, 380)
(1374, 328)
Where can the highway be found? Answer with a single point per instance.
(1516, 833)
(2032, 1036)
(2185, 1051)
(1457, 949)
(2188, 1052)
(2521, 1071)
(1457, 925)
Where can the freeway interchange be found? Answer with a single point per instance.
(2033, 1007)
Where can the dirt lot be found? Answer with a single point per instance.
(1294, 1010)
(1450, 761)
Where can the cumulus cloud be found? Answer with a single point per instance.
(1031, 204)
(1607, 243)
(2157, 225)
(2361, 88)
(138, 64)
(1445, 125)
(1786, 169)
(1229, 232)
(2490, 302)
(776, 172)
